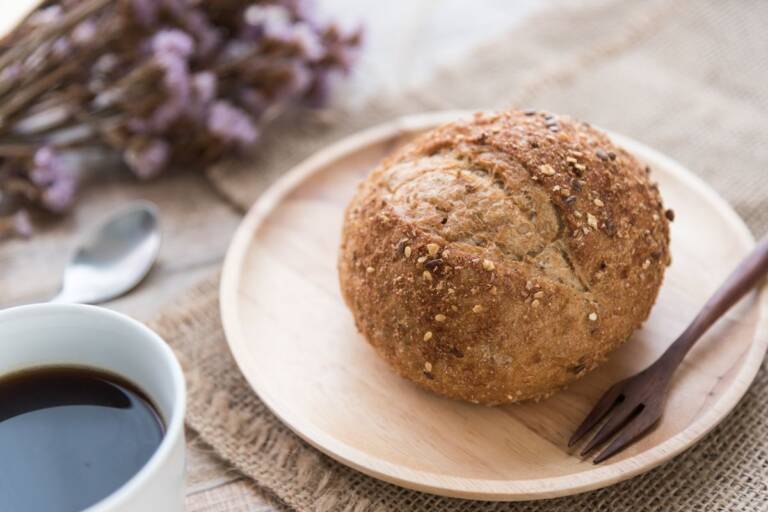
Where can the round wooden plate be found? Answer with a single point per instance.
(296, 343)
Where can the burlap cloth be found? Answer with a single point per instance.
(687, 77)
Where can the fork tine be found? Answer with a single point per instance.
(641, 424)
(618, 418)
(603, 406)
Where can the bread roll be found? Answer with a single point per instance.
(498, 259)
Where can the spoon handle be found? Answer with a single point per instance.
(749, 272)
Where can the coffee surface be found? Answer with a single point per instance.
(69, 437)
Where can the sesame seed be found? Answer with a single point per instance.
(432, 249)
(570, 199)
(546, 170)
(426, 275)
(576, 184)
(538, 295)
(599, 203)
(440, 317)
(428, 366)
(488, 265)
(580, 167)
(592, 317)
(592, 221)
(571, 160)
(529, 285)
(370, 270)
(477, 308)
(427, 335)
(422, 259)
(407, 251)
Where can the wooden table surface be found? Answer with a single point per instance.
(197, 224)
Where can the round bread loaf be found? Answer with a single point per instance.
(500, 258)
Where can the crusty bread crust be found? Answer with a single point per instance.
(498, 259)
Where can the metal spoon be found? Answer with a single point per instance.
(114, 258)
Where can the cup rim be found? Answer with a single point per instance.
(175, 422)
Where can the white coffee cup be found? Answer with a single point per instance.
(74, 335)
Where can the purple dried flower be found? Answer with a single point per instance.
(61, 47)
(48, 167)
(176, 82)
(193, 21)
(231, 124)
(171, 51)
(204, 86)
(164, 81)
(22, 225)
(11, 71)
(56, 176)
(308, 40)
(106, 64)
(203, 92)
(173, 41)
(60, 196)
(84, 33)
(147, 158)
(273, 20)
(207, 37)
(300, 78)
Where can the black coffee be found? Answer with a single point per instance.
(70, 437)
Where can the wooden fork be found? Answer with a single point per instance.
(633, 406)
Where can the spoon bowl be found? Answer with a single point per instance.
(114, 258)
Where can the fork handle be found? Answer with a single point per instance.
(746, 276)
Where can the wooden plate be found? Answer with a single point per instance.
(296, 343)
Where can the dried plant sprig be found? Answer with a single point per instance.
(160, 82)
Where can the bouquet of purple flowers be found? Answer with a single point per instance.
(158, 82)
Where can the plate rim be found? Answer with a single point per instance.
(499, 490)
